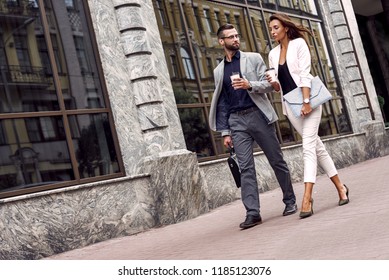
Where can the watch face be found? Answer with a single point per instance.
(306, 100)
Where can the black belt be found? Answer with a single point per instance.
(246, 111)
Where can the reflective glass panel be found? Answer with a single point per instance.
(73, 54)
(33, 153)
(93, 144)
(191, 63)
(195, 131)
(26, 82)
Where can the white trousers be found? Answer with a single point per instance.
(314, 151)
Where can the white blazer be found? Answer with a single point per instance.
(298, 59)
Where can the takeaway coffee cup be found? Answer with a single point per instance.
(234, 75)
(272, 73)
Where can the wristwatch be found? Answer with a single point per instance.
(306, 100)
(250, 88)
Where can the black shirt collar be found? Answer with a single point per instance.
(236, 56)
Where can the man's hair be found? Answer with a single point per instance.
(221, 29)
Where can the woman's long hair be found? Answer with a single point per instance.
(294, 31)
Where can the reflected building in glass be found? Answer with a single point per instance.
(188, 34)
(50, 95)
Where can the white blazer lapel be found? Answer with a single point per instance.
(277, 54)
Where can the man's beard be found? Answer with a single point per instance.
(232, 47)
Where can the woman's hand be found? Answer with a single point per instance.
(306, 109)
(275, 84)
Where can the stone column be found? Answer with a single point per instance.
(346, 45)
(146, 115)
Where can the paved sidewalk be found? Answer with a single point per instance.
(358, 230)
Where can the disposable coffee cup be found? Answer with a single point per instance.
(272, 73)
(234, 75)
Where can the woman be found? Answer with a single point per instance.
(292, 62)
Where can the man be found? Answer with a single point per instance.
(241, 111)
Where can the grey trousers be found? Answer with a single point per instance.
(245, 129)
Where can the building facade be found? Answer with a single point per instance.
(104, 112)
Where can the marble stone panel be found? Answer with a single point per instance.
(39, 225)
(338, 18)
(147, 91)
(129, 17)
(364, 115)
(375, 138)
(221, 188)
(176, 140)
(119, 86)
(140, 66)
(349, 60)
(334, 6)
(360, 101)
(134, 41)
(342, 32)
(157, 141)
(357, 87)
(179, 193)
(354, 73)
(346, 46)
(152, 116)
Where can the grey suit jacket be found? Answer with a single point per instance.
(253, 69)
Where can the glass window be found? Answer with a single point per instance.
(36, 154)
(161, 12)
(3, 136)
(237, 24)
(43, 77)
(208, 20)
(174, 68)
(197, 17)
(25, 82)
(187, 63)
(209, 66)
(69, 4)
(196, 134)
(93, 144)
(217, 18)
(193, 97)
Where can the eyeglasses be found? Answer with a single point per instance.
(237, 36)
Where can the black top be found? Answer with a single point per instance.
(236, 100)
(286, 80)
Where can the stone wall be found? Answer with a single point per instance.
(42, 224)
(344, 150)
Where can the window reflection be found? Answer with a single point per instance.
(73, 55)
(196, 132)
(35, 153)
(26, 84)
(187, 63)
(202, 19)
(93, 142)
(42, 62)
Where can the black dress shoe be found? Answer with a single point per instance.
(251, 221)
(290, 209)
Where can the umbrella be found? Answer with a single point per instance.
(234, 166)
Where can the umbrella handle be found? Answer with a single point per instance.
(231, 150)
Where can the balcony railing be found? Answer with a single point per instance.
(15, 74)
